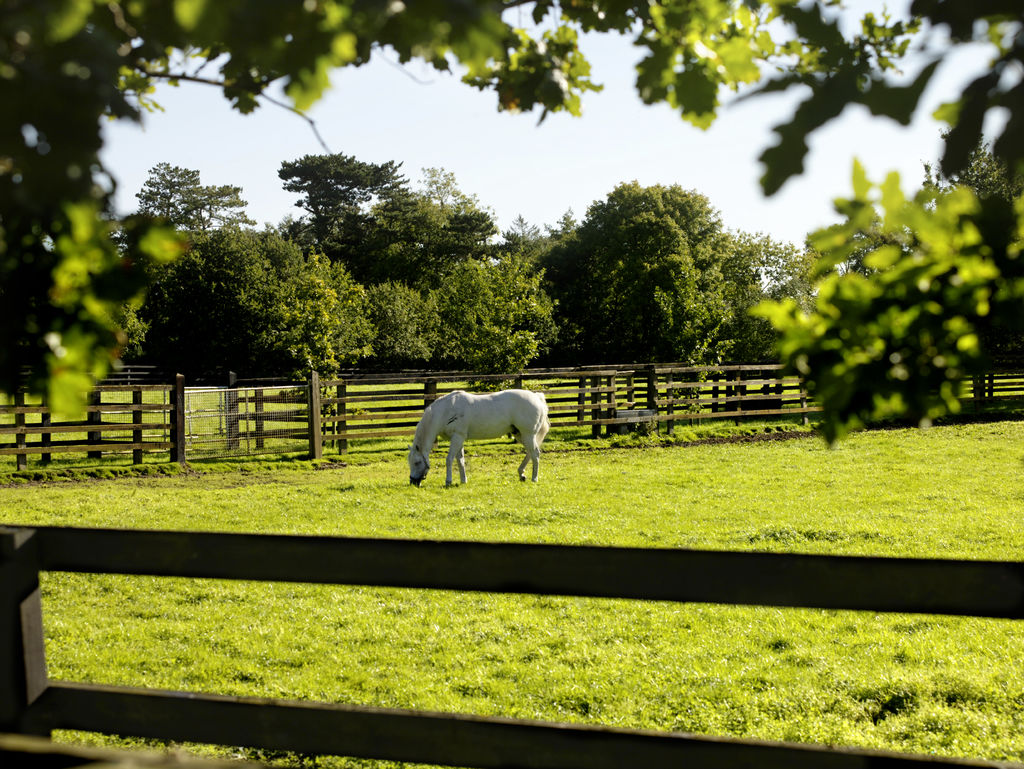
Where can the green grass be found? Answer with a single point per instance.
(950, 686)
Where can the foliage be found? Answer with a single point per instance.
(945, 289)
(494, 316)
(252, 302)
(988, 177)
(901, 340)
(68, 63)
(756, 268)
(176, 195)
(404, 325)
(640, 279)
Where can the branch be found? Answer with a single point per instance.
(261, 95)
(304, 116)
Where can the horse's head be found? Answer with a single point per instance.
(419, 464)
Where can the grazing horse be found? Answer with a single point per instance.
(460, 415)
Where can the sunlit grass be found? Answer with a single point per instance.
(951, 686)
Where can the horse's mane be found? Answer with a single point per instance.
(419, 440)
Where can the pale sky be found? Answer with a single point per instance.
(514, 166)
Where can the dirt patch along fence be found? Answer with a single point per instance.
(31, 703)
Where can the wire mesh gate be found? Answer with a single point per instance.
(243, 421)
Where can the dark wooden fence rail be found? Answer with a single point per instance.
(31, 703)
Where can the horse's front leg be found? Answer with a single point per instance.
(456, 452)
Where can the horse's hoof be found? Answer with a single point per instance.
(522, 478)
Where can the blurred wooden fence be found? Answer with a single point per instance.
(247, 418)
(31, 703)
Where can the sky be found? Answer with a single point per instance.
(517, 167)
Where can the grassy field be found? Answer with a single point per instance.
(950, 686)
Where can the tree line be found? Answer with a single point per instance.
(899, 338)
(383, 273)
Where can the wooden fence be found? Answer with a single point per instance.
(31, 703)
(246, 419)
(119, 418)
(608, 399)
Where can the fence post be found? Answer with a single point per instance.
(22, 659)
(803, 401)
(44, 438)
(94, 417)
(178, 420)
(21, 460)
(137, 420)
(739, 392)
(429, 393)
(595, 400)
(670, 405)
(231, 409)
(341, 426)
(316, 438)
(259, 405)
(610, 401)
(652, 394)
(581, 399)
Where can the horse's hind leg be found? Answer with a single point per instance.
(532, 446)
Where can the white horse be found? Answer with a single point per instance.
(460, 415)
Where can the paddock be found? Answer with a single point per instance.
(572, 644)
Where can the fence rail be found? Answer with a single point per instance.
(246, 419)
(119, 419)
(605, 399)
(31, 703)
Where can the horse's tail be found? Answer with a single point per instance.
(545, 424)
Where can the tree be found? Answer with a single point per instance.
(418, 236)
(68, 63)
(335, 189)
(985, 175)
(523, 239)
(756, 268)
(253, 302)
(640, 279)
(176, 195)
(494, 317)
(404, 325)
